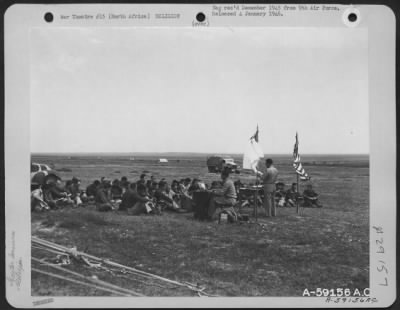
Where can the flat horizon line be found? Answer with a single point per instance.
(187, 153)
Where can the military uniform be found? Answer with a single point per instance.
(268, 180)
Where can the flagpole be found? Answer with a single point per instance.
(255, 199)
(251, 158)
(297, 196)
(256, 192)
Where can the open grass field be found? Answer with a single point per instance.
(321, 248)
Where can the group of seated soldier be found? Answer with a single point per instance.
(143, 196)
(54, 194)
(149, 196)
(285, 198)
(291, 197)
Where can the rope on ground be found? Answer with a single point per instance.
(106, 284)
(48, 250)
(76, 254)
(110, 270)
(50, 274)
(123, 273)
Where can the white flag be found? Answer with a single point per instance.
(253, 153)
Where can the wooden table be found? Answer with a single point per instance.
(255, 191)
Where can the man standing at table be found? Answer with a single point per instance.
(268, 179)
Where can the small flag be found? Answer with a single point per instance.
(253, 153)
(297, 162)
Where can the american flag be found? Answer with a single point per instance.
(297, 162)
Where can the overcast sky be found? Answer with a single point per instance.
(199, 89)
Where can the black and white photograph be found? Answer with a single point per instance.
(200, 161)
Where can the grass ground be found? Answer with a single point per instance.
(326, 248)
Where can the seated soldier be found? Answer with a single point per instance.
(292, 196)
(280, 194)
(175, 191)
(131, 197)
(224, 198)
(175, 187)
(106, 183)
(84, 198)
(92, 189)
(168, 191)
(142, 179)
(194, 186)
(184, 185)
(148, 186)
(164, 197)
(67, 185)
(128, 198)
(185, 200)
(74, 190)
(310, 197)
(47, 195)
(37, 199)
(153, 189)
(124, 183)
(143, 205)
(55, 195)
(116, 190)
(102, 200)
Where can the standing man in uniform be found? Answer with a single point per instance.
(268, 180)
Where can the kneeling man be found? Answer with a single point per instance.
(226, 196)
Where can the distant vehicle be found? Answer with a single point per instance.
(218, 163)
(163, 160)
(40, 173)
(35, 168)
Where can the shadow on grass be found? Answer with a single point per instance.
(96, 219)
(71, 224)
(71, 221)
